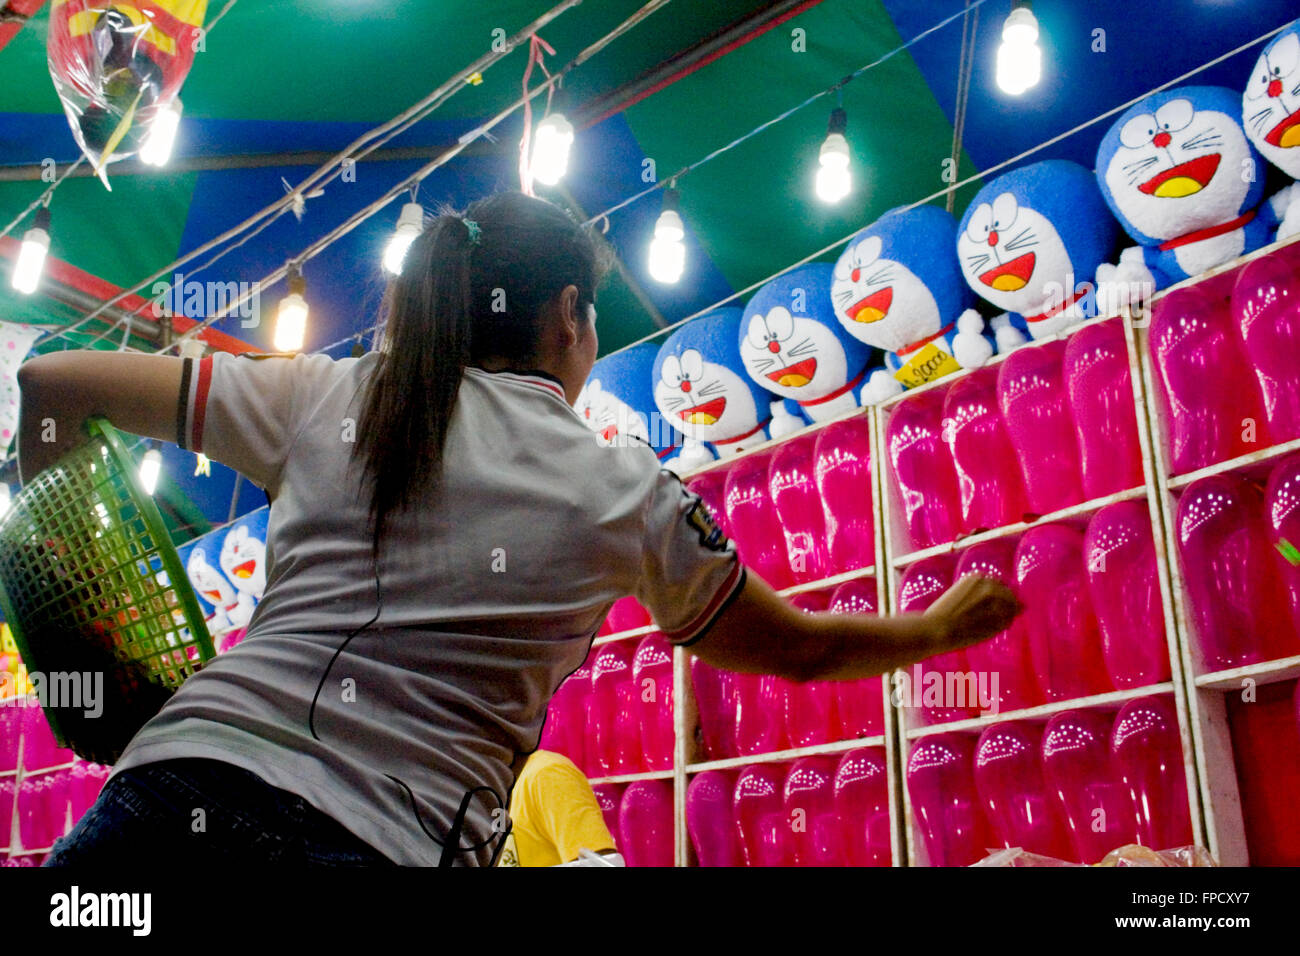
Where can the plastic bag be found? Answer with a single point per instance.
(1129, 855)
(115, 64)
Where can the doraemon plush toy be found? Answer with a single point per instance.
(702, 390)
(1183, 180)
(1270, 113)
(1030, 242)
(897, 286)
(618, 401)
(793, 346)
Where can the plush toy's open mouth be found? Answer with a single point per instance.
(609, 432)
(705, 414)
(213, 596)
(797, 375)
(874, 307)
(1285, 133)
(244, 570)
(1010, 276)
(1183, 179)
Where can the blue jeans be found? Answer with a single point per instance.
(151, 815)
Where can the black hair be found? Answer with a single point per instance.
(464, 295)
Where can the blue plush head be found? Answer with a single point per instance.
(618, 400)
(1177, 162)
(1270, 104)
(791, 343)
(700, 384)
(898, 280)
(1030, 238)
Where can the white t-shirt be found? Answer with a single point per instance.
(492, 591)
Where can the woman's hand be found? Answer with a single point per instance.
(974, 609)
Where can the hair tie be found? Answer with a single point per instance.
(475, 233)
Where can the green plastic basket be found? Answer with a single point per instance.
(95, 593)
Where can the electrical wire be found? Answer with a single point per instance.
(964, 182)
(43, 199)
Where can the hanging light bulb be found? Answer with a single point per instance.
(834, 181)
(667, 251)
(31, 257)
(157, 146)
(291, 319)
(150, 469)
(5, 498)
(409, 224)
(1020, 60)
(551, 143)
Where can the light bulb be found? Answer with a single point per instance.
(409, 224)
(1020, 60)
(667, 251)
(834, 181)
(157, 146)
(5, 499)
(552, 139)
(31, 256)
(291, 323)
(150, 468)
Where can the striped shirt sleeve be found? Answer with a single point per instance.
(245, 412)
(690, 571)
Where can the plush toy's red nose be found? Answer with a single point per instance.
(1162, 139)
(993, 238)
(856, 275)
(773, 346)
(1275, 88)
(686, 386)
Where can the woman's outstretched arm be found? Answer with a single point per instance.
(759, 633)
(60, 390)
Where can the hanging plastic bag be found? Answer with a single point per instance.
(116, 64)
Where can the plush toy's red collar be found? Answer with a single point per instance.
(848, 386)
(1208, 233)
(757, 428)
(908, 349)
(1056, 309)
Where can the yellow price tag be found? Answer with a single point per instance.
(929, 363)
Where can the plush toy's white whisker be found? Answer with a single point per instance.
(977, 262)
(803, 348)
(711, 388)
(843, 296)
(880, 276)
(675, 401)
(1257, 120)
(763, 364)
(1140, 164)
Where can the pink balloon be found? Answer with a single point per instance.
(1064, 643)
(757, 807)
(754, 523)
(565, 730)
(652, 680)
(1100, 388)
(760, 714)
(810, 812)
(1266, 304)
(1007, 654)
(711, 486)
(921, 585)
(793, 486)
(1031, 394)
(608, 797)
(628, 757)
(1147, 750)
(922, 470)
(626, 615)
(645, 821)
(1120, 555)
(606, 732)
(941, 787)
(1233, 581)
(1282, 504)
(862, 803)
(988, 479)
(715, 699)
(810, 707)
(859, 704)
(709, 819)
(843, 471)
(1009, 779)
(1204, 381)
(1096, 807)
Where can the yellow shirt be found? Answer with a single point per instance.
(555, 814)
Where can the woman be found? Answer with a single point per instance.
(445, 538)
